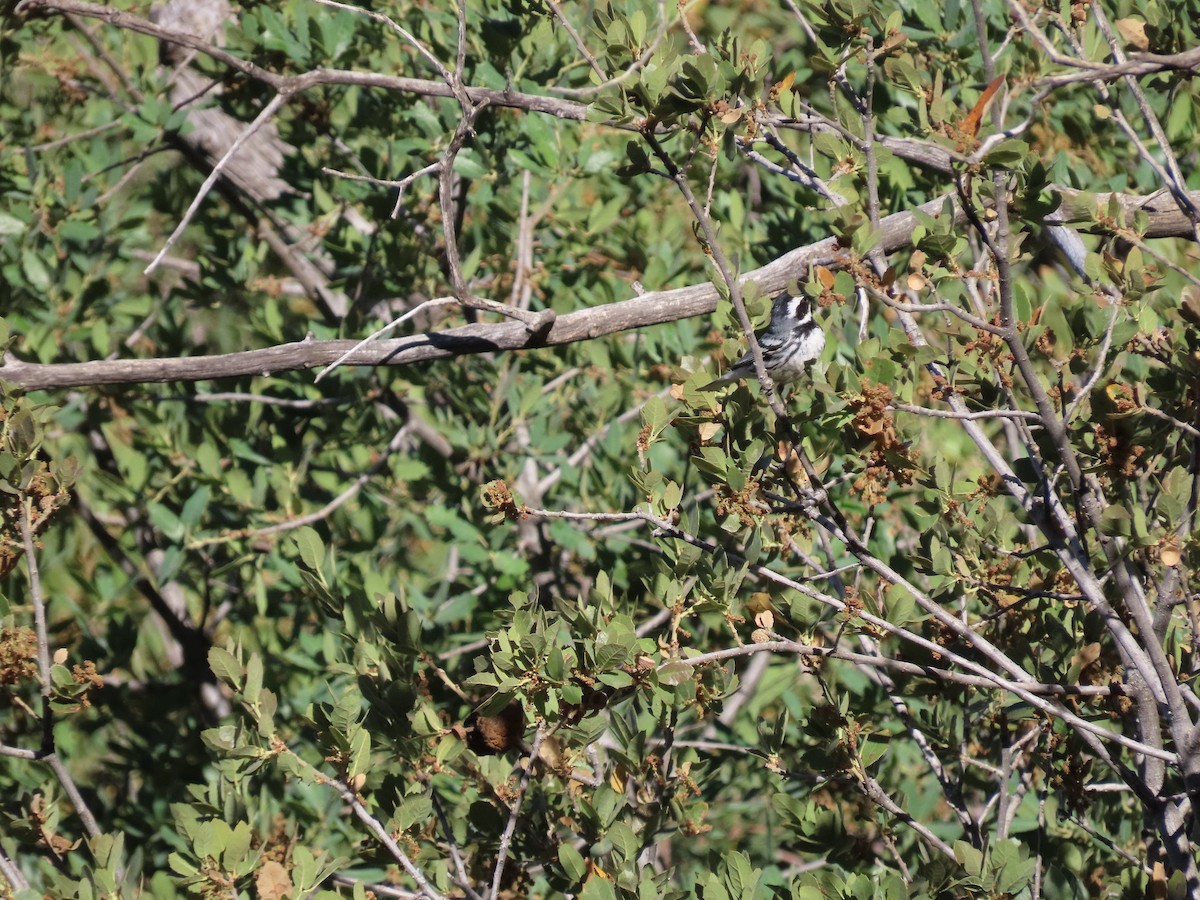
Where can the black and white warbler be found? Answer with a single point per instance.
(789, 344)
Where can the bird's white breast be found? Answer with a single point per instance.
(811, 345)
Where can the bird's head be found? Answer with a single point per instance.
(791, 309)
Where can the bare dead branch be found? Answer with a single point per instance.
(260, 120)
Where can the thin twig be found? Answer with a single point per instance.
(401, 184)
(47, 753)
(460, 877)
(633, 68)
(404, 33)
(12, 873)
(577, 38)
(1098, 370)
(260, 120)
(19, 752)
(732, 285)
(319, 515)
(958, 312)
(515, 812)
(381, 833)
(376, 828)
(1175, 179)
(77, 136)
(39, 622)
(380, 332)
(380, 890)
(965, 416)
(265, 399)
(1174, 422)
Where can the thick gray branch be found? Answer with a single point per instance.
(654, 308)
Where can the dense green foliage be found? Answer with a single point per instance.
(558, 622)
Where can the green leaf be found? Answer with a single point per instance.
(35, 271)
(675, 673)
(597, 888)
(739, 875)
(165, 521)
(572, 862)
(626, 846)
(238, 845)
(254, 676)
(830, 146)
(304, 870)
(968, 857)
(1007, 154)
(311, 547)
(412, 810)
(613, 646)
(466, 165)
(872, 749)
(225, 666)
(181, 866)
(10, 226)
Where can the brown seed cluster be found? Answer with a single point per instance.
(497, 496)
(18, 651)
(890, 460)
(1118, 452)
(29, 480)
(739, 503)
(87, 676)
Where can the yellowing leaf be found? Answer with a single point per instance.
(1134, 32)
(273, 881)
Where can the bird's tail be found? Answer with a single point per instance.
(728, 378)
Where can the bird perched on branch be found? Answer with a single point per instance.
(789, 344)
